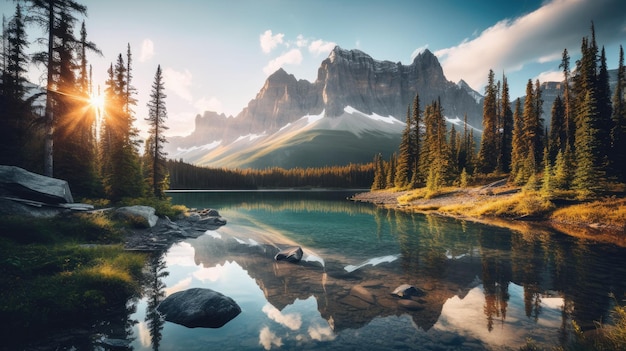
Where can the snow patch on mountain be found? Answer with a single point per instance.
(205, 147)
(250, 137)
(390, 119)
(314, 118)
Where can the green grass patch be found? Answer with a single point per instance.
(163, 207)
(63, 272)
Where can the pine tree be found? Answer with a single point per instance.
(603, 122)
(16, 113)
(379, 173)
(119, 158)
(539, 140)
(487, 158)
(569, 120)
(547, 182)
(618, 132)
(57, 16)
(563, 169)
(74, 139)
(417, 178)
(405, 161)
(506, 127)
(588, 177)
(157, 113)
(390, 171)
(557, 139)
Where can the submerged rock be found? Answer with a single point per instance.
(291, 254)
(199, 307)
(405, 291)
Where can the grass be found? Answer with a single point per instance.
(609, 211)
(63, 272)
(524, 204)
(163, 207)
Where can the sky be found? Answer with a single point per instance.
(216, 55)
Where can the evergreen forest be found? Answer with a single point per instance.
(582, 151)
(63, 130)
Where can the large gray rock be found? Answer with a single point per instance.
(199, 308)
(20, 183)
(140, 215)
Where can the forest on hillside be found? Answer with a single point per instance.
(582, 150)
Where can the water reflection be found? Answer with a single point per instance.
(155, 293)
(486, 287)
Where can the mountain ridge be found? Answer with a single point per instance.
(346, 78)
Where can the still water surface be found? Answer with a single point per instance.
(486, 288)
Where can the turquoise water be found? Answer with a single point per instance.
(486, 288)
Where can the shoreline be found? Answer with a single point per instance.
(479, 196)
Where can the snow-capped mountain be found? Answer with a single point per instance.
(355, 109)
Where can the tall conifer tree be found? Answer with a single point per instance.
(487, 158)
(618, 132)
(404, 161)
(505, 129)
(157, 113)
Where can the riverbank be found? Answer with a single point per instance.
(506, 206)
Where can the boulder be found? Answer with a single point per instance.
(405, 291)
(19, 183)
(199, 307)
(139, 215)
(292, 254)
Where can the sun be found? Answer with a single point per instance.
(97, 101)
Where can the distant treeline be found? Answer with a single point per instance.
(187, 176)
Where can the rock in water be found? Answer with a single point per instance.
(405, 291)
(292, 254)
(199, 307)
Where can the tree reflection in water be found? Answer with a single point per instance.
(155, 293)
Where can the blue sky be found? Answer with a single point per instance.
(216, 55)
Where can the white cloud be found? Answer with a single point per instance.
(418, 51)
(267, 338)
(147, 50)
(208, 104)
(550, 76)
(292, 321)
(269, 41)
(511, 44)
(301, 41)
(180, 286)
(180, 123)
(178, 82)
(291, 57)
(321, 333)
(319, 46)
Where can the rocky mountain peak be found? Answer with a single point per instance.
(346, 78)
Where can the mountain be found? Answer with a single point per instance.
(550, 90)
(355, 108)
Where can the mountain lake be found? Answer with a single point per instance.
(479, 287)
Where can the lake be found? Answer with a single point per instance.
(482, 287)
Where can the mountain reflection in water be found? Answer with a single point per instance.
(485, 287)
